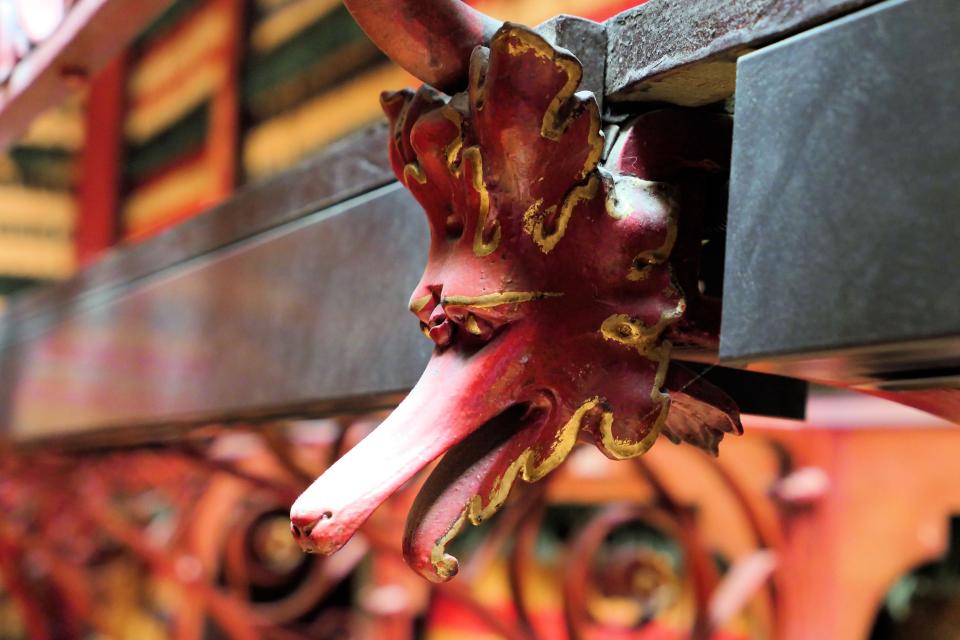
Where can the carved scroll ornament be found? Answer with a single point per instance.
(554, 291)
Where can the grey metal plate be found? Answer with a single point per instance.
(843, 244)
(310, 314)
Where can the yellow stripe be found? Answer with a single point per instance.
(37, 208)
(144, 122)
(270, 5)
(167, 62)
(288, 22)
(29, 257)
(8, 169)
(150, 204)
(60, 127)
(282, 141)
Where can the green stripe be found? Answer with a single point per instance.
(166, 147)
(45, 167)
(347, 63)
(166, 21)
(314, 43)
(12, 285)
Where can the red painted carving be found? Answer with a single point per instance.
(555, 291)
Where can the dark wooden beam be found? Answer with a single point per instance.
(289, 298)
(306, 319)
(685, 51)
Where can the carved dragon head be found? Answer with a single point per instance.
(554, 291)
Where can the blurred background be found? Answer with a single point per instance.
(848, 517)
(208, 82)
(796, 527)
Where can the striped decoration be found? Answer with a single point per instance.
(178, 70)
(177, 74)
(177, 193)
(293, 135)
(312, 76)
(36, 233)
(38, 177)
(286, 22)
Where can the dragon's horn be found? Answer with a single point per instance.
(432, 39)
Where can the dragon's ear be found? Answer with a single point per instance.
(431, 39)
(529, 119)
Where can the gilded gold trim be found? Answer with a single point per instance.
(412, 170)
(525, 465)
(453, 149)
(444, 565)
(623, 449)
(480, 247)
(629, 193)
(418, 304)
(470, 324)
(497, 299)
(533, 218)
(552, 126)
(594, 139)
(525, 40)
(640, 269)
(629, 331)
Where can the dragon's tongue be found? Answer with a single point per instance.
(440, 509)
(473, 480)
(450, 401)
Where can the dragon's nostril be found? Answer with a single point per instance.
(302, 526)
